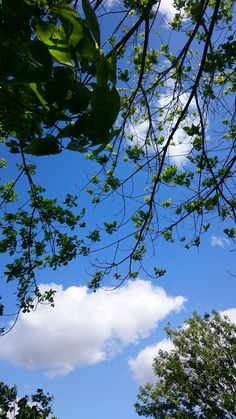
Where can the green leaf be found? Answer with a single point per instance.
(87, 52)
(38, 52)
(159, 272)
(95, 124)
(36, 90)
(192, 130)
(72, 25)
(106, 69)
(79, 100)
(167, 203)
(112, 72)
(75, 146)
(43, 147)
(106, 104)
(103, 71)
(110, 227)
(92, 21)
(61, 55)
(58, 88)
(54, 37)
(230, 232)
(45, 32)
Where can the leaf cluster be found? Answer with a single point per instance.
(56, 83)
(36, 406)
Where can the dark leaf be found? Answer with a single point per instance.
(79, 99)
(43, 147)
(92, 20)
(106, 104)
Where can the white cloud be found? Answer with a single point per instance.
(219, 241)
(139, 132)
(180, 148)
(142, 366)
(166, 8)
(181, 145)
(85, 328)
(230, 313)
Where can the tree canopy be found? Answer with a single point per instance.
(154, 118)
(197, 378)
(38, 406)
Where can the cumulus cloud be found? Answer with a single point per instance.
(166, 8)
(142, 365)
(85, 328)
(219, 241)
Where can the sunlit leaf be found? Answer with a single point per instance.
(72, 25)
(54, 37)
(45, 31)
(36, 90)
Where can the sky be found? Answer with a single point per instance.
(93, 350)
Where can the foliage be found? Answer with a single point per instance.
(44, 66)
(38, 406)
(197, 378)
(154, 119)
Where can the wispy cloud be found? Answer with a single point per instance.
(219, 241)
(181, 144)
(110, 3)
(85, 328)
(138, 132)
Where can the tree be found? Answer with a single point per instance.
(131, 104)
(38, 406)
(197, 378)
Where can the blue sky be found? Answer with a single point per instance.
(92, 351)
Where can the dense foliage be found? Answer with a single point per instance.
(43, 97)
(197, 378)
(38, 406)
(155, 120)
